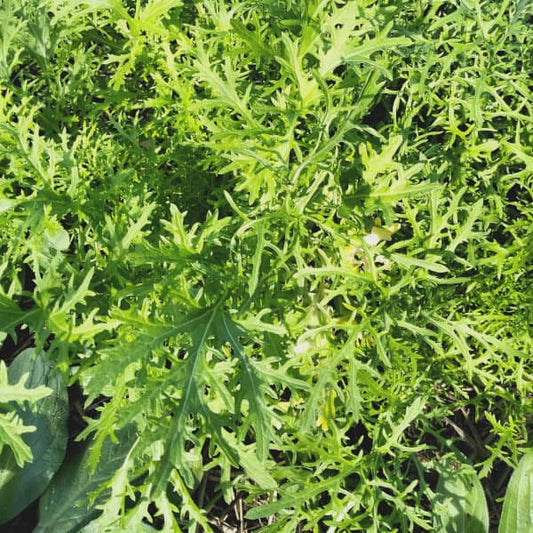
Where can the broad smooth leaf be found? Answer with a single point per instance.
(20, 486)
(459, 505)
(64, 507)
(517, 513)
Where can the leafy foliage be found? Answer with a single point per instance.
(12, 424)
(460, 503)
(284, 247)
(516, 514)
(46, 418)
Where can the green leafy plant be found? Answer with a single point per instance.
(460, 504)
(516, 514)
(279, 252)
(42, 418)
(12, 425)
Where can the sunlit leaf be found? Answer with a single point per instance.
(517, 512)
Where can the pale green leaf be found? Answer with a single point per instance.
(408, 262)
(517, 513)
(459, 505)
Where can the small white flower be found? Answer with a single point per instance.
(379, 234)
(302, 347)
(371, 239)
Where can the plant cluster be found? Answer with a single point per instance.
(278, 251)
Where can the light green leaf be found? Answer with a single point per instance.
(18, 392)
(413, 411)
(517, 513)
(114, 5)
(6, 204)
(58, 238)
(409, 262)
(251, 386)
(11, 429)
(465, 231)
(256, 260)
(459, 505)
(376, 163)
(257, 45)
(380, 43)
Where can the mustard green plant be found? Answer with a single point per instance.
(280, 252)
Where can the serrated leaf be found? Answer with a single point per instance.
(157, 9)
(18, 391)
(380, 43)
(253, 467)
(251, 386)
(211, 323)
(139, 528)
(257, 45)
(270, 509)
(118, 358)
(466, 229)
(10, 314)
(414, 410)
(517, 512)
(408, 262)
(110, 517)
(256, 260)
(114, 5)
(377, 163)
(20, 486)
(201, 329)
(11, 430)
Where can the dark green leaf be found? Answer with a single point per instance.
(20, 486)
(64, 507)
(10, 314)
